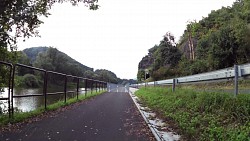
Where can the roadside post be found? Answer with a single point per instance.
(173, 86)
(146, 76)
(236, 74)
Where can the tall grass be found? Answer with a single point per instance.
(20, 116)
(202, 115)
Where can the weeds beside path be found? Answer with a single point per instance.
(202, 115)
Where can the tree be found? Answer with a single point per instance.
(21, 18)
(23, 59)
(44, 62)
(140, 75)
(106, 75)
(167, 54)
(226, 46)
(223, 39)
(89, 74)
(160, 59)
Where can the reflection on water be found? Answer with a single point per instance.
(31, 103)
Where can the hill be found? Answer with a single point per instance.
(52, 59)
(33, 52)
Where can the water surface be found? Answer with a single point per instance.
(25, 104)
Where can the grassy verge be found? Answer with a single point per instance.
(243, 84)
(202, 115)
(21, 116)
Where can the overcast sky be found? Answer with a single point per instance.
(119, 34)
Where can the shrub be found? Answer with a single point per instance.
(30, 80)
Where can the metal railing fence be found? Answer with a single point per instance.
(10, 66)
(88, 83)
(235, 73)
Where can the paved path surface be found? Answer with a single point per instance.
(108, 117)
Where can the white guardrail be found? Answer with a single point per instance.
(238, 71)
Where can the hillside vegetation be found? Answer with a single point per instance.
(218, 41)
(51, 59)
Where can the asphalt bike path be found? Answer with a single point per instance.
(111, 116)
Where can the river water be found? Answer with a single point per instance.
(25, 104)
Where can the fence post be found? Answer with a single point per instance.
(77, 89)
(173, 86)
(236, 74)
(91, 86)
(65, 89)
(12, 90)
(86, 85)
(9, 90)
(45, 81)
(99, 86)
(108, 87)
(96, 86)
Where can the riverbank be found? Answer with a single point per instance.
(201, 115)
(40, 112)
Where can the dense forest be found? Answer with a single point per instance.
(218, 41)
(51, 59)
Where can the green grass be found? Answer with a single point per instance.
(207, 116)
(242, 84)
(21, 116)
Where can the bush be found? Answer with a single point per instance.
(30, 80)
(199, 66)
(164, 73)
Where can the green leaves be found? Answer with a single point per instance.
(106, 75)
(161, 59)
(223, 39)
(21, 18)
